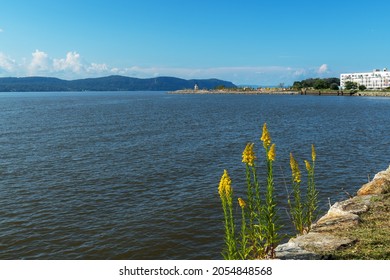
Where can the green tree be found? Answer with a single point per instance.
(331, 81)
(308, 83)
(320, 84)
(334, 86)
(316, 83)
(220, 87)
(350, 85)
(297, 85)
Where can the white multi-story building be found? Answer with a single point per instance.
(377, 79)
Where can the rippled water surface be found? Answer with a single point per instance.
(134, 175)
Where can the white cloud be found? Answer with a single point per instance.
(1, 30)
(7, 64)
(39, 62)
(97, 68)
(323, 69)
(42, 64)
(70, 63)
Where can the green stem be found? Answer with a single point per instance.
(312, 198)
(249, 196)
(232, 237)
(270, 213)
(244, 241)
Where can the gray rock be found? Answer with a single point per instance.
(321, 242)
(343, 214)
(311, 246)
(291, 251)
(322, 238)
(356, 205)
(335, 221)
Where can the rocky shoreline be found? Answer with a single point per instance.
(282, 92)
(324, 237)
(231, 91)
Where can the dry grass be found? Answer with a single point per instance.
(372, 234)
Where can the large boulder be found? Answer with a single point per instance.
(342, 214)
(292, 251)
(321, 242)
(311, 246)
(379, 185)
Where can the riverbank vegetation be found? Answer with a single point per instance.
(317, 84)
(303, 212)
(257, 236)
(372, 234)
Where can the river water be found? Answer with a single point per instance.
(134, 175)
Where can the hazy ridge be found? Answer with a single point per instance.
(110, 83)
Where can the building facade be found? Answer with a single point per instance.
(377, 79)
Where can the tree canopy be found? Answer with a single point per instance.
(317, 83)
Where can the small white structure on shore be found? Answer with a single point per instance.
(196, 87)
(376, 79)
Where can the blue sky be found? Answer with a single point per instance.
(244, 41)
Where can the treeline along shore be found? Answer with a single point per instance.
(278, 91)
(311, 86)
(328, 86)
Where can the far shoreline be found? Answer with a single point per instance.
(282, 92)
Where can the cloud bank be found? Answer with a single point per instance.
(41, 64)
(72, 66)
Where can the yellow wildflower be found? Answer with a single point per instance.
(308, 166)
(225, 188)
(248, 156)
(296, 173)
(292, 162)
(241, 202)
(265, 137)
(313, 153)
(271, 153)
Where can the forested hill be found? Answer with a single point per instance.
(110, 83)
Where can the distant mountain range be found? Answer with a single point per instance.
(110, 83)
